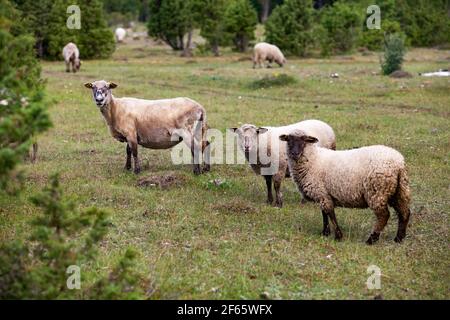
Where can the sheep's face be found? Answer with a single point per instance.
(248, 137)
(77, 64)
(101, 92)
(296, 143)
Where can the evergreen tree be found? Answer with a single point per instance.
(290, 27)
(171, 21)
(212, 23)
(394, 52)
(47, 20)
(22, 112)
(240, 22)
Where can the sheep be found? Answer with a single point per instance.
(71, 56)
(120, 33)
(368, 177)
(263, 140)
(154, 124)
(264, 51)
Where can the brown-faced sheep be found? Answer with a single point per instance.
(71, 56)
(267, 52)
(154, 124)
(256, 142)
(373, 177)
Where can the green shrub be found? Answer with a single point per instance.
(373, 39)
(276, 80)
(290, 27)
(240, 23)
(62, 236)
(342, 24)
(394, 51)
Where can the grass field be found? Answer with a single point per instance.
(196, 240)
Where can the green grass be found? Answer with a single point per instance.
(197, 239)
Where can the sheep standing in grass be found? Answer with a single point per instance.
(255, 142)
(71, 56)
(154, 124)
(120, 33)
(373, 177)
(267, 52)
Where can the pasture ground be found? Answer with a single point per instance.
(197, 240)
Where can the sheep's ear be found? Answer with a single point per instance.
(112, 85)
(233, 129)
(261, 130)
(310, 139)
(88, 85)
(284, 137)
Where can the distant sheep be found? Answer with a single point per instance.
(120, 33)
(154, 124)
(373, 177)
(71, 56)
(267, 52)
(252, 139)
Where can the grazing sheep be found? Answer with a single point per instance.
(120, 33)
(258, 141)
(71, 56)
(373, 177)
(267, 52)
(154, 124)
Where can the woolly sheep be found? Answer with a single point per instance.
(373, 177)
(255, 142)
(71, 56)
(267, 52)
(120, 33)
(154, 124)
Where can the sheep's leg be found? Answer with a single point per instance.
(382, 215)
(128, 163)
(403, 213)
(207, 156)
(326, 226)
(269, 189)
(134, 150)
(277, 185)
(67, 66)
(337, 230)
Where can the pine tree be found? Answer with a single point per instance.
(22, 112)
(290, 27)
(240, 22)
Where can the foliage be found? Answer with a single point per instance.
(342, 24)
(373, 39)
(276, 80)
(212, 25)
(22, 112)
(62, 236)
(240, 22)
(394, 52)
(170, 21)
(290, 27)
(47, 20)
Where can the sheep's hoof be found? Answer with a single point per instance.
(197, 170)
(278, 204)
(137, 170)
(127, 167)
(338, 235)
(303, 201)
(326, 232)
(373, 238)
(206, 168)
(398, 239)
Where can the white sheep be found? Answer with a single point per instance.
(120, 33)
(71, 56)
(373, 177)
(267, 52)
(257, 142)
(154, 124)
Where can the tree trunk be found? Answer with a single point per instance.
(265, 5)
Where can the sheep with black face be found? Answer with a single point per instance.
(369, 177)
